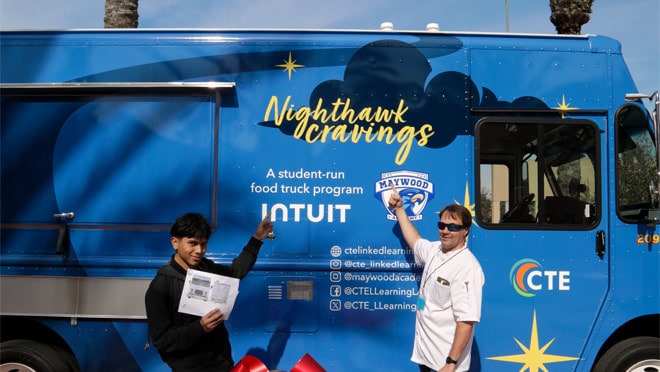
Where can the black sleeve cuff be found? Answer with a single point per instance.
(254, 245)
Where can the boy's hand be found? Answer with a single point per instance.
(264, 229)
(211, 320)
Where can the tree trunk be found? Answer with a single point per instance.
(568, 16)
(121, 14)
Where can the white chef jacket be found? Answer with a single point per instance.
(450, 291)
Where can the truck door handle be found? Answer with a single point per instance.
(62, 238)
(63, 231)
(600, 243)
(68, 215)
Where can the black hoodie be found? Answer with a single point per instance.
(180, 338)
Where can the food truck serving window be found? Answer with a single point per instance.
(109, 153)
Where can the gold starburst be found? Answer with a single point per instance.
(466, 201)
(564, 107)
(468, 205)
(289, 65)
(534, 357)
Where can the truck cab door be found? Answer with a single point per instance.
(542, 215)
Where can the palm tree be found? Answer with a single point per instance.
(568, 16)
(121, 14)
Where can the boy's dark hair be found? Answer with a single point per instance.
(191, 225)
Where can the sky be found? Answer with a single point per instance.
(635, 23)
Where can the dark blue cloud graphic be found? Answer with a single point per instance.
(383, 73)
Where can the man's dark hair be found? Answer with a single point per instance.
(191, 225)
(458, 211)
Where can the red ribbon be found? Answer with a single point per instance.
(307, 364)
(249, 364)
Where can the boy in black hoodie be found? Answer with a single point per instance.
(190, 343)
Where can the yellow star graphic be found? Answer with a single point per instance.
(466, 202)
(563, 106)
(290, 65)
(533, 358)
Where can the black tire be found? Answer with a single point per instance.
(28, 355)
(68, 358)
(633, 354)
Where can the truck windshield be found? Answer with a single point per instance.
(635, 165)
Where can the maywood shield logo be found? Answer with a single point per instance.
(414, 187)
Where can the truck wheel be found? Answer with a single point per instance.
(67, 357)
(30, 356)
(637, 354)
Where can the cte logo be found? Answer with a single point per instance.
(528, 277)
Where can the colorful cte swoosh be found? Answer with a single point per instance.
(518, 274)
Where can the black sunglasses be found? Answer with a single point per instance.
(450, 226)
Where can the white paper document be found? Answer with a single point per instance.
(203, 292)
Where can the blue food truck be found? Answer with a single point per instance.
(107, 136)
